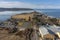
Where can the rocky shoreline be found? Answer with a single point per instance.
(25, 26)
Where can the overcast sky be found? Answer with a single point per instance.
(42, 4)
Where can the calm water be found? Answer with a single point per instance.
(51, 12)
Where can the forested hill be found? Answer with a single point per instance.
(14, 9)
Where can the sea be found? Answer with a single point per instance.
(5, 15)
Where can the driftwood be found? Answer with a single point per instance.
(27, 34)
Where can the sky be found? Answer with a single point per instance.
(39, 4)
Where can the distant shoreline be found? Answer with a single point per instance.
(14, 9)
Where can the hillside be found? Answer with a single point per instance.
(14, 9)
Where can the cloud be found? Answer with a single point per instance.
(49, 6)
(16, 5)
(5, 4)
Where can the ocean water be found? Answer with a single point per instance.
(4, 15)
(51, 12)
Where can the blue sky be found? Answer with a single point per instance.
(43, 4)
(37, 1)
